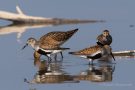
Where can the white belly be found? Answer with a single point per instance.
(83, 56)
(53, 51)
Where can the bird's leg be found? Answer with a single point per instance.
(112, 56)
(49, 67)
(113, 68)
(91, 67)
(61, 55)
(55, 57)
(49, 58)
(90, 62)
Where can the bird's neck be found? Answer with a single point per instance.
(36, 47)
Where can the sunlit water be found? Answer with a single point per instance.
(73, 73)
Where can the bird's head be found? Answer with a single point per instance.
(31, 41)
(106, 33)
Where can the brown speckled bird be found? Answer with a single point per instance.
(50, 43)
(94, 52)
(105, 38)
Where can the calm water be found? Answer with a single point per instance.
(74, 72)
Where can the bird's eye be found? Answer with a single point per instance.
(30, 40)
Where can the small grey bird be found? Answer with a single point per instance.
(105, 38)
(50, 43)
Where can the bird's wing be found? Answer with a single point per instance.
(51, 40)
(55, 39)
(89, 51)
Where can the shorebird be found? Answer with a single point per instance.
(50, 43)
(94, 52)
(104, 39)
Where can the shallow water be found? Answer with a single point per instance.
(16, 65)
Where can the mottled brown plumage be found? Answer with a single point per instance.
(88, 51)
(55, 39)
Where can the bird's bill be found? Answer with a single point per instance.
(25, 46)
(112, 56)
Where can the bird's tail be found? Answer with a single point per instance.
(71, 32)
(64, 48)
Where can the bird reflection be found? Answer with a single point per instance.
(98, 73)
(54, 73)
(51, 73)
